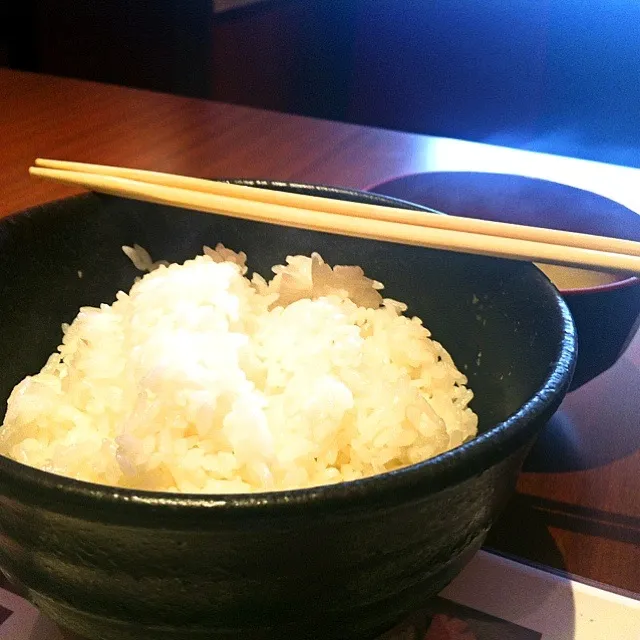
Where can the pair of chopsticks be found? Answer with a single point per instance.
(352, 219)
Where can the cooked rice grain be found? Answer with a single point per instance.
(201, 380)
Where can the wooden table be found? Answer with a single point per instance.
(582, 512)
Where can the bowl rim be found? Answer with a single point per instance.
(417, 481)
(622, 283)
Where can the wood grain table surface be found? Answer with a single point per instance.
(577, 508)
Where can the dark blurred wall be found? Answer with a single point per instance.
(553, 75)
(291, 55)
(163, 45)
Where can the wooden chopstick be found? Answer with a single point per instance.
(356, 209)
(341, 223)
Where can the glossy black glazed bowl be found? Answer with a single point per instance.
(343, 561)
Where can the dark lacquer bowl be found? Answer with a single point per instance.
(607, 314)
(343, 561)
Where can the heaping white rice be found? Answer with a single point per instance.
(201, 380)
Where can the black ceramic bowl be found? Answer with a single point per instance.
(343, 561)
(607, 316)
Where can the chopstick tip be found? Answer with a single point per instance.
(37, 171)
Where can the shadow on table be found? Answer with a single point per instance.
(595, 425)
(522, 531)
(560, 515)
